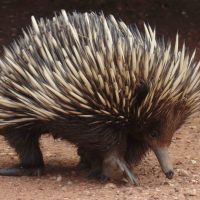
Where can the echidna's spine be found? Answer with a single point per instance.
(89, 66)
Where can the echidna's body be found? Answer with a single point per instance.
(99, 84)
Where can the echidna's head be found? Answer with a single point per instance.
(156, 134)
(165, 91)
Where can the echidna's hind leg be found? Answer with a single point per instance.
(26, 143)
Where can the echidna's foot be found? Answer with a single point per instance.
(97, 174)
(82, 165)
(85, 159)
(21, 171)
(128, 173)
(95, 170)
(116, 168)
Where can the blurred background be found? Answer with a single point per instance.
(168, 16)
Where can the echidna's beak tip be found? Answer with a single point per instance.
(169, 174)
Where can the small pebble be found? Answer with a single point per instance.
(193, 162)
(59, 178)
(192, 127)
(194, 181)
(182, 172)
(69, 183)
(87, 192)
(110, 185)
(64, 188)
(118, 192)
(190, 192)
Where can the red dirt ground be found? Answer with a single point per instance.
(63, 181)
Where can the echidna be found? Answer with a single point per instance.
(104, 86)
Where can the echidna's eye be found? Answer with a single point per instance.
(154, 134)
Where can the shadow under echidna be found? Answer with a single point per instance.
(108, 88)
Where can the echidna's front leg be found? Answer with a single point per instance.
(111, 164)
(115, 167)
(86, 158)
(26, 144)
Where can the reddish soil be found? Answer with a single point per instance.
(62, 180)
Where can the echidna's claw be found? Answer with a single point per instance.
(97, 174)
(130, 175)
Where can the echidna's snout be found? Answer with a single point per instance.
(165, 162)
